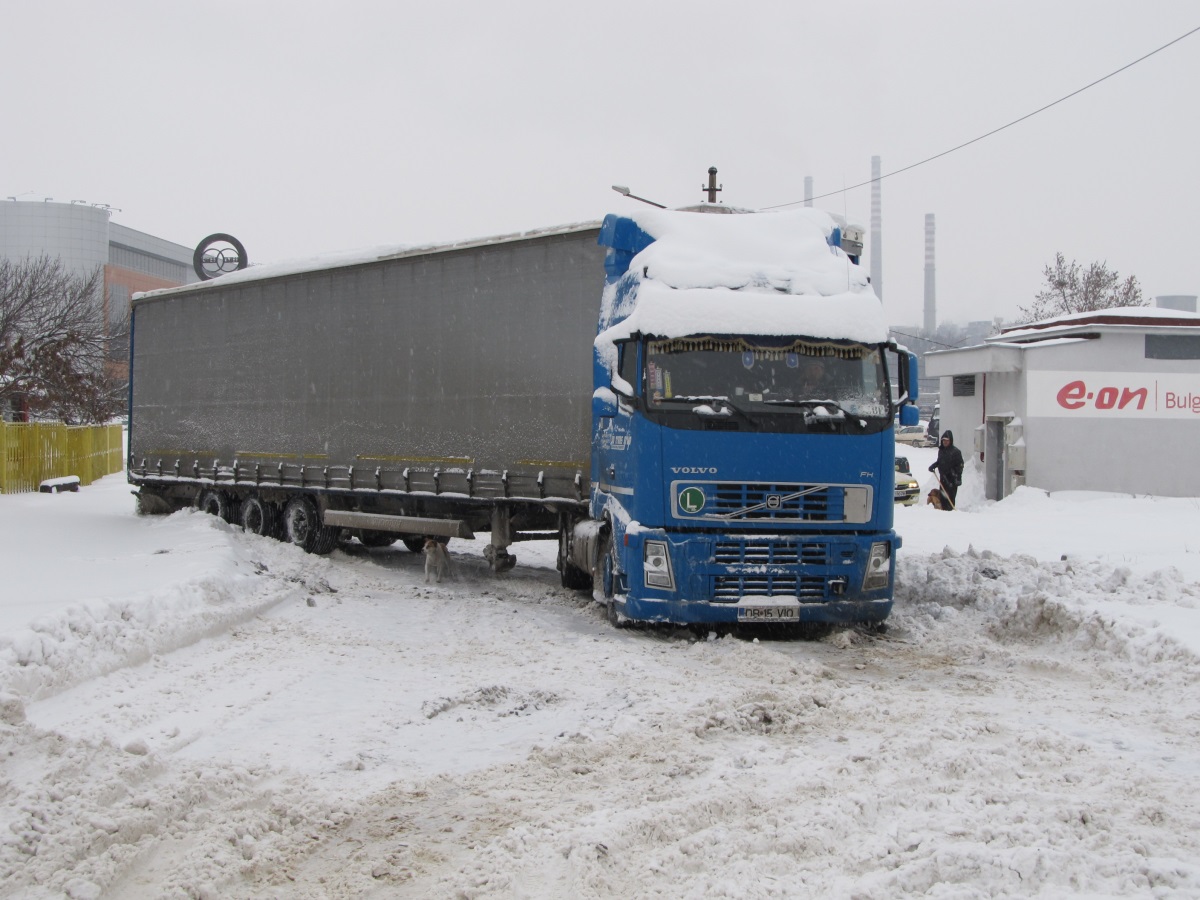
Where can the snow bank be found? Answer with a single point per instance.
(102, 631)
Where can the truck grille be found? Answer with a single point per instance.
(767, 567)
(777, 502)
(728, 588)
(770, 553)
(764, 503)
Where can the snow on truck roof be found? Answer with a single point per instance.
(774, 273)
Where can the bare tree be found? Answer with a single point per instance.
(1072, 289)
(54, 342)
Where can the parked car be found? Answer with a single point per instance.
(907, 488)
(912, 434)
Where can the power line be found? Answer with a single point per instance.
(994, 130)
(917, 337)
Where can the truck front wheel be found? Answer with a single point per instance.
(604, 589)
(573, 577)
(302, 523)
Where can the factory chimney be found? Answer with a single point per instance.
(930, 279)
(876, 230)
(808, 190)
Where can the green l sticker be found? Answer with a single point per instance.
(691, 500)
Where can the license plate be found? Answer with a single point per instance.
(768, 613)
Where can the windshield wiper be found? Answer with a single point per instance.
(811, 408)
(714, 405)
(789, 402)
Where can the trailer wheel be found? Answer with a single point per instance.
(302, 521)
(260, 517)
(216, 503)
(150, 503)
(414, 542)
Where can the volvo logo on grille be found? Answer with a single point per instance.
(774, 501)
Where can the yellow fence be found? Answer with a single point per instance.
(32, 452)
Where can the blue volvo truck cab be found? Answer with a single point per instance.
(746, 393)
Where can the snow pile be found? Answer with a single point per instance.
(785, 252)
(713, 274)
(1080, 602)
(96, 633)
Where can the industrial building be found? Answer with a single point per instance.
(84, 237)
(1099, 401)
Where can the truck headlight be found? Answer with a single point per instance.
(656, 565)
(878, 567)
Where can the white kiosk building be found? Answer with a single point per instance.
(1099, 401)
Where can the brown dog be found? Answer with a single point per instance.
(938, 500)
(437, 561)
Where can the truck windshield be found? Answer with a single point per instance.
(731, 376)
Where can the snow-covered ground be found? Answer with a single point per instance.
(190, 711)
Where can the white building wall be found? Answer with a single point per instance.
(960, 415)
(1094, 414)
(1134, 446)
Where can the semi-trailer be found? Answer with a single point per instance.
(699, 408)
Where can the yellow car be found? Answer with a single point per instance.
(907, 488)
(912, 434)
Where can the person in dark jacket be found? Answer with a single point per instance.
(949, 466)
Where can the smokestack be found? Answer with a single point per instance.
(876, 230)
(930, 279)
(808, 190)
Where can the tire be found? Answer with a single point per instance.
(414, 542)
(607, 567)
(260, 517)
(216, 503)
(573, 578)
(614, 618)
(375, 538)
(605, 581)
(302, 524)
(149, 503)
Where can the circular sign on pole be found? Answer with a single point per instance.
(219, 254)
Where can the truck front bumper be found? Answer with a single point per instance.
(749, 578)
(699, 612)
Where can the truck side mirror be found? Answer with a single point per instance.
(604, 403)
(910, 415)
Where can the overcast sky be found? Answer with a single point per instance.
(303, 128)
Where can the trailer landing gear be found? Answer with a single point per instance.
(496, 552)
